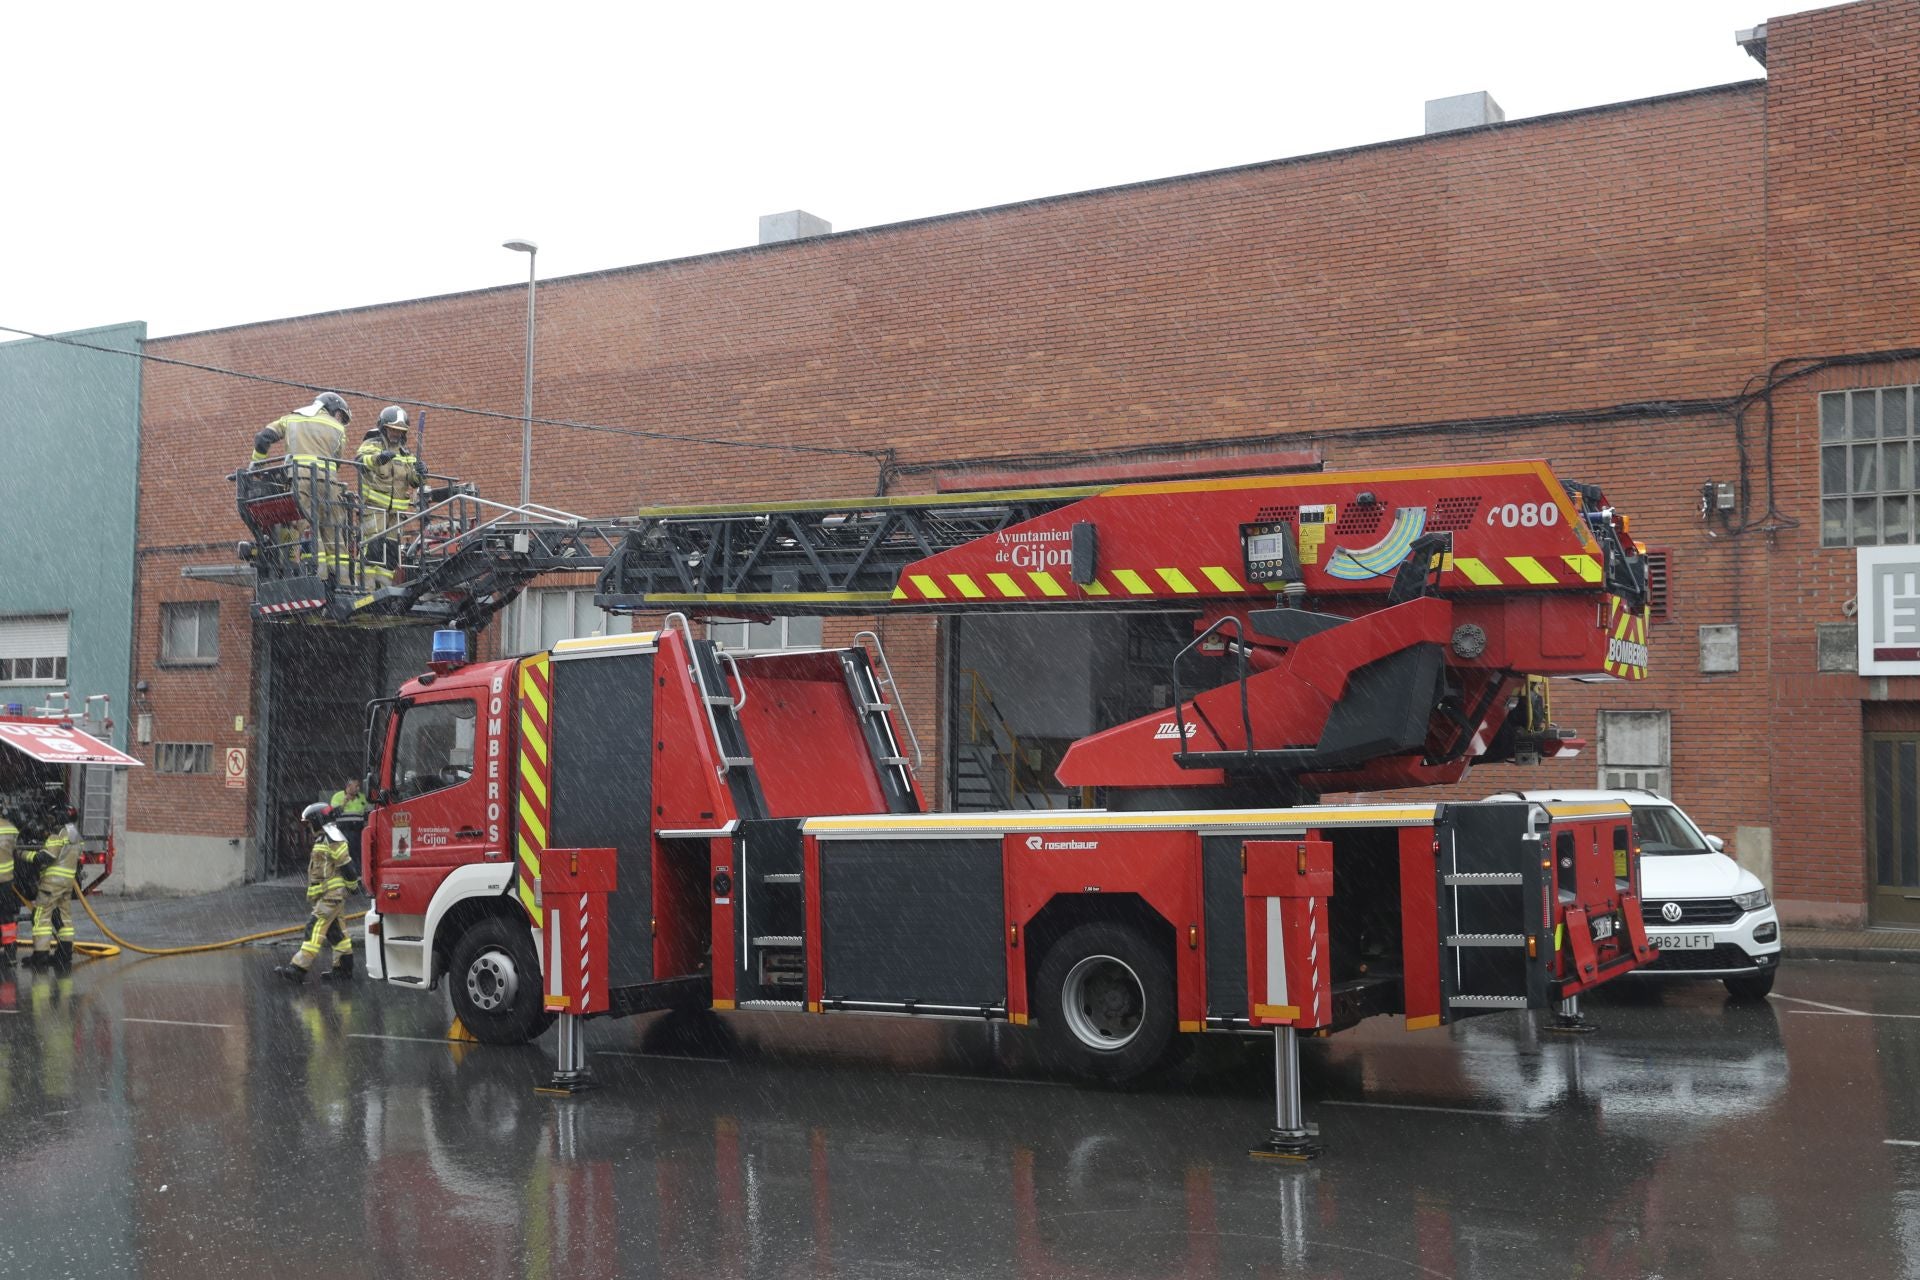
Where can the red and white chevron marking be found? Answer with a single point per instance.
(293, 606)
(586, 952)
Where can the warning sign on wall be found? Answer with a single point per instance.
(236, 766)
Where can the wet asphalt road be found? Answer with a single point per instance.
(195, 1117)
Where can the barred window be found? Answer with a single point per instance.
(1867, 463)
(1659, 583)
(183, 757)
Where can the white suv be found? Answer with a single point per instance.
(1709, 916)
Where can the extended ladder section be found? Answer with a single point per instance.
(831, 556)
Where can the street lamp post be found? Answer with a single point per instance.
(532, 251)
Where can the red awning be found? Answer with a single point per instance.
(55, 743)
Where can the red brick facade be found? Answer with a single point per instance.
(1449, 297)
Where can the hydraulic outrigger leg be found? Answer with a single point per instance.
(1291, 1137)
(571, 1074)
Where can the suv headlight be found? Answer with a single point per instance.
(1751, 901)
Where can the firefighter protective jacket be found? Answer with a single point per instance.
(9, 836)
(389, 485)
(308, 439)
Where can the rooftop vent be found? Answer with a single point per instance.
(1462, 111)
(794, 224)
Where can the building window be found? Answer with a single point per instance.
(1636, 750)
(538, 620)
(1867, 485)
(33, 650)
(190, 633)
(777, 633)
(1659, 583)
(183, 757)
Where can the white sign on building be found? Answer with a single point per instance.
(1888, 594)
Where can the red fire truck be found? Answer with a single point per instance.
(640, 822)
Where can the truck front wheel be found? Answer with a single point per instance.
(1105, 1002)
(495, 983)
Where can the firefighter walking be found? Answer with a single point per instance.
(330, 876)
(389, 477)
(315, 436)
(59, 867)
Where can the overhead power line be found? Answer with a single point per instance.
(636, 433)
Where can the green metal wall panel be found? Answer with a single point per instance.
(69, 459)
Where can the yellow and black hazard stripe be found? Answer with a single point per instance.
(533, 785)
(1626, 640)
(1038, 584)
(1529, 571)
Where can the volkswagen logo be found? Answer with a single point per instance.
(1670, 913)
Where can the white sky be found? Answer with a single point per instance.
(198, 165)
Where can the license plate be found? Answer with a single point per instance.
(1602, 928)
(1681, 941)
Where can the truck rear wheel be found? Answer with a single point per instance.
(495, 983)
(1105, 1002)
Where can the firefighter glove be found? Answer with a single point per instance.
(384, 457)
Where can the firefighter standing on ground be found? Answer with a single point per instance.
(9, 910)
(389, 477)
(330, 875)
(315, 436)
(59, 863)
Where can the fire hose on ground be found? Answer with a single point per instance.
(107, 950)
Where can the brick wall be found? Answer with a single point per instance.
(1668, 250)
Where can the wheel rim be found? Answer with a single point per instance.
(492, 981)
(1104, 1001)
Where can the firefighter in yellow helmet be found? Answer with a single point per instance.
(315, 437)
(9, 908)
(59, 865)
(389, 477)
(330, 875)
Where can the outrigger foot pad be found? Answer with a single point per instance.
(565, 1084)
(1564, 1025)
(1290, 1144)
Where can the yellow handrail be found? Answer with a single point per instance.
(983, 713)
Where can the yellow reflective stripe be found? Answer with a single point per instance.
(535, 827)
(1178, 581)
(530, 733)
(1532, 570)
(537, 700)
(1133, 582)
(927, 586)
(6, 868)
(898, 594)
(1096, 588)
(1221, 577)
(1477, 573)
(530, 777)
(57, 873)
(966, 586)
(1586, 566)
(1046, 583)
(1005, 585)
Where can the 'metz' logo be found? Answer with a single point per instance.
(1041, 842)
(1171, 729)
(1629, 652)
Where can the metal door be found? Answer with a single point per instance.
(1893, 826)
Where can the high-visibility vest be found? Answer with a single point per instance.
(385, 486)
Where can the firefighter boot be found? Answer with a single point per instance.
(292, 973)
(38, 960)
(342, 970)
(63, 956)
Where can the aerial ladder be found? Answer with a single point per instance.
(1358, 630)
